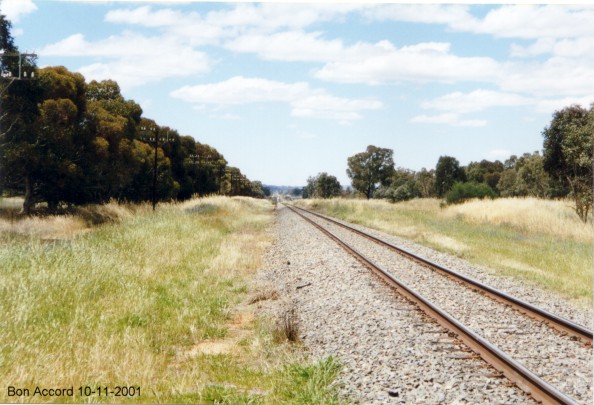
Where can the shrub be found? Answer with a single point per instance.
(404, 192)
(461, 192)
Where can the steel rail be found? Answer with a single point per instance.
(514, 371)
(555, 321)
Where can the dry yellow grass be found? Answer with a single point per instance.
(153, 301)
(534, 215)
(540, 241)
(62, 227)
(54, 227)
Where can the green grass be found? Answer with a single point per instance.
(128, 303)
(557, 255)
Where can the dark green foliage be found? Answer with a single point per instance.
(19, 99)
(425, 182)
(322, 186)
(65, 141)
(523, 177)
(568, 155)
(403, 186)
(461, 192)
(484, 172)
(447, 172)
(370, 169)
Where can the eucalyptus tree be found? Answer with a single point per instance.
(323, 186)
(447, 173)
(370, 169)
(568, 154)
(18, 115)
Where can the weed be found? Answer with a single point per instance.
(287, 328)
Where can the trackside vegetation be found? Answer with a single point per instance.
(534, 240)
(158, 301)
(65, 141)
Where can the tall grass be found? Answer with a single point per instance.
(540, 241)
(527, 215)
(131, 303)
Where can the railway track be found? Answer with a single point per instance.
(541, 388)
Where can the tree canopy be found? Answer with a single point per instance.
(568, 155)
(447, 173)
(370, 169)
(323, 186)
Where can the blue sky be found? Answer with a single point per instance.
(286, 91)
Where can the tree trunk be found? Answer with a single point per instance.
(28, 203)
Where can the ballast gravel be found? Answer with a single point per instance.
(390, 351)
(560, 361)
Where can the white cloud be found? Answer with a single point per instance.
(14, 9)
(420, 13)
(551, 105)
(278, 32)
(214, 26)
(304, 101)
(477, 100)
(382, 62)
(462, 103)
(145, 16)
(533, 22)
(132, 59)
(556, 77)
(447, 119)
(320, 105)
(189, 28)
(508, 21)
(241, 90)
(289, 46)
(568, 48)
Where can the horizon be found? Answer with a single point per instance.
(286, 91)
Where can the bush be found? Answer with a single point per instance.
(404, 192)
(461, 192)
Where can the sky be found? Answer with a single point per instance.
(286, 91)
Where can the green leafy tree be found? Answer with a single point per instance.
(119, 167)
(403, 186)
(185, 166)
(447, 172)
(484, 171)
(506, 186)
(370, 169)
(531, 180)
(524, 177)
(18, 117)
(257, 190)
(327, 186)
(568, 154)
(323, 186)
(209, 168)
(425, 181)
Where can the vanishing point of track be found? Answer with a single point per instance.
(516, 372)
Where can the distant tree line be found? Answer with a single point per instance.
(66, 141)
(563, 170)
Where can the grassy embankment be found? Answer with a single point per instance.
(157, 300)
(537, 240)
